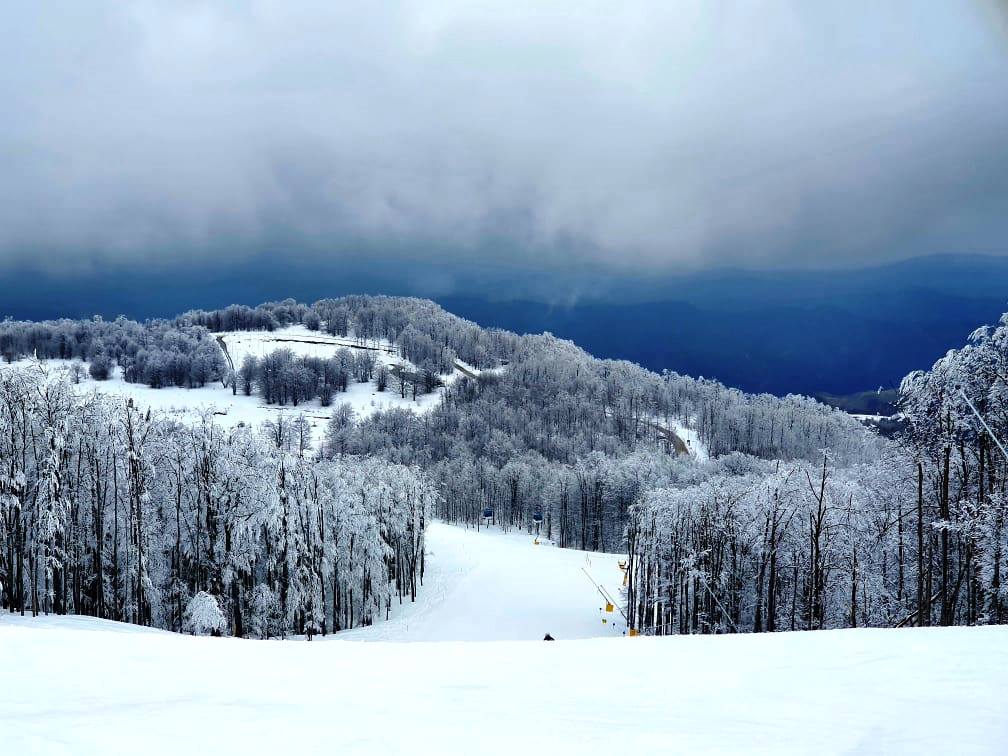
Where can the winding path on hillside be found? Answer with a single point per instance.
(673, 438)
(465, 370)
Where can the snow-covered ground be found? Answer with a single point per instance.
(495, 586)
(82, 686)
(363, 397)
(302, 341)
(692, 439)
(232, 410)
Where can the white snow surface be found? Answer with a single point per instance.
(231, 410)
(74, 685)
(697, 447)
(303, 342)
(492, 586)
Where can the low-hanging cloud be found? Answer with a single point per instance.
(645, 135)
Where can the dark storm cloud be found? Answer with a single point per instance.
(645, 135)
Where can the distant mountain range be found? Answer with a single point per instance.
(812, 332)
(832, 332)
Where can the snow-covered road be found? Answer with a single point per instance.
(81, 686)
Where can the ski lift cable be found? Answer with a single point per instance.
(717, 601)
(608, 598)
(605, 595)
(984, 422)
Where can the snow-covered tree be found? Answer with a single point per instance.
(203, 615)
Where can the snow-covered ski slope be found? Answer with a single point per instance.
(82, 686)
(488, 585)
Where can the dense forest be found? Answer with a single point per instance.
(785, 514)
(914, 536)
(109, 511)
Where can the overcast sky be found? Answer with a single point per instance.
(643, 136)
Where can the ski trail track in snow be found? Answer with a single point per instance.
(490, 585)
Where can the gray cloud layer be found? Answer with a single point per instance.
(647, 135)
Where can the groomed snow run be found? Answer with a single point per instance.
(73, 685)
(492, 586)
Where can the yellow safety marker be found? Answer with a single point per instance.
(633, 632)
(608, 608)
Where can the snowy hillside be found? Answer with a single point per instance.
(231, 409)
(84, 686)
(363, 397)
(737, 514)
(302, 341)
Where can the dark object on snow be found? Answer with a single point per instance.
(549, 637)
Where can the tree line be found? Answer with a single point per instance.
(158, 353)
(759, 546)
(958, 424)
(111, 511)
(573, 439)
(424, 333)
(802, 519)
(281, 377)
(912, 535)
(545, 436)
